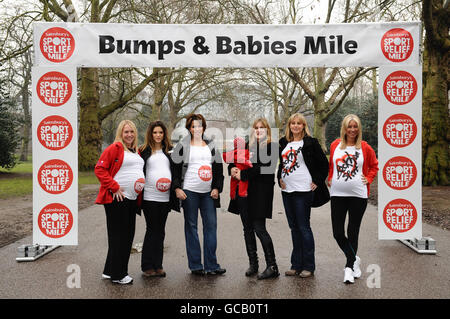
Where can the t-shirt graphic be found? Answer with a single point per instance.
(294, 173)
(290, 161)
(346, 166)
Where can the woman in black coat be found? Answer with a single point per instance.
(303, 168)
(257, 206)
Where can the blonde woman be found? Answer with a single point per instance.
(257, 207)
(353, 166)
(302, 171)
(121, 176)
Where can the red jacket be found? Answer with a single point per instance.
(106, 168)
(241, 158)
(370, 166)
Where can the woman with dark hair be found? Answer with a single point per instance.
(119, 171)
(158, 197)
(198, 180)
(353, 166)
(257, 207)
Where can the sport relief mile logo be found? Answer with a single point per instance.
(55, 220)
(400, 87)
(397, 45)
(57, 44)
(54, 132)
(55, 176)
(205, 173)
(400, 215)
(399, 173)
(54, 88)
(163, 184)
(399, 130)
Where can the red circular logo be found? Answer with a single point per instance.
(54, 132)
(55, 176)
(397, 45)
(205, 173)
(55, 220)
(139, 185)
(399, 173)
(400, 215)
(57, 44)
(54, 88)
(400, 87)
(163, 184)
(399, 130)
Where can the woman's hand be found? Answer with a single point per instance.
(215, 193)
(180, 194)
(119, 196)
(329, 183)
(282, 184)
(313, 187)
(364, 180)
(236, 173)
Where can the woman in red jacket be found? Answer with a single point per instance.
(353, 166)
(121, 176)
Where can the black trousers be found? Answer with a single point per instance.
(256, 227)
(121, 225)
(355, 207)
(155, 218)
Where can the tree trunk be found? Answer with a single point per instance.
(27, 119)
(90, 139)
(436, 129)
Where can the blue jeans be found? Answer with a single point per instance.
(191, 205)
(298, 211)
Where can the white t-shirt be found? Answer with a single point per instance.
(130, 176)
(198, 177)
(158, 178)
(294, 172)
(347, 173)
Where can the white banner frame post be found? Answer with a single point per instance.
(63, 47)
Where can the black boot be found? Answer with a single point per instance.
(250, 245)
(272, 269)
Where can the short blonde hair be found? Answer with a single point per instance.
(266, 125)
(119, 134)
(296, 116)
(345, 123)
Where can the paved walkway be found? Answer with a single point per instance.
(403, 272)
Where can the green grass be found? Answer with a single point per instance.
(18, 181)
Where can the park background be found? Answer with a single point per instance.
(230, 98)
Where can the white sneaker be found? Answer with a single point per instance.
(105, 276)
(124, 281)
(357, 268)
(348, 276)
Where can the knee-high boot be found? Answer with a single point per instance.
(272, 269)
(250, 245)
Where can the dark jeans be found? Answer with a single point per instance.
(255, 226)
(355, 207)
(155, 218)
(298, 211)
(121, 225)
(191, 205)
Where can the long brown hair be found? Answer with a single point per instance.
(150, 142)
(266, 125)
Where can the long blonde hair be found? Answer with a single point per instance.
(288, 133)
(266, 125)
(345, 123)
(119, 134)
